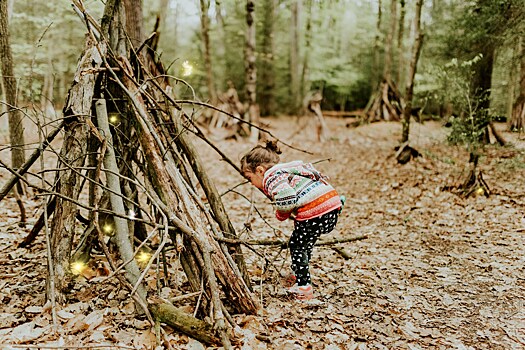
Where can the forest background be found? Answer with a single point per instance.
(335, 46)
(472, 66)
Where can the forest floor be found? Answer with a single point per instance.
(436, 271)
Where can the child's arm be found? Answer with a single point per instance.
(284, 197)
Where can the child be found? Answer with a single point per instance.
(299, 192)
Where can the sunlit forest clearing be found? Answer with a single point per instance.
(128, 222)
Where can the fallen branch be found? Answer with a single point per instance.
(284, 243)
(342, 252)
(183, 322)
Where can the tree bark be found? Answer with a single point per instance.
(168, 183)
(306, 58)
(72, 156)
(251, 70)
(517, 119)
(122, 237)
(215, 202)
(205, 30)
(267, 97)
(416, 49)
(294, 55)
(387, 69)
(375, 75)
(400, 49)
(15, 120)
(134, 22)
(181, 321)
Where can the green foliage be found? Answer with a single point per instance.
(46, 39)
(454, 81)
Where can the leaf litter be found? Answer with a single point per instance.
(436, 271)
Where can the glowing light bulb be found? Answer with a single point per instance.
(187, 68)
(77, 267)
(113, 119)
(131, 214)
(480, 191)
(143, 257)
(107, 228)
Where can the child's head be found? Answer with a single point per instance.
(255, 163)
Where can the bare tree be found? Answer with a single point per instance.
(389, 43)
(251, 70)
(400, 49)
(416, 49)
(134, 21)
(517, 119)
(205, 30)
(267, 97)
(16, 128)
(375, 76)
(294, 55)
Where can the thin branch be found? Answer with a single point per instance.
(242, 121)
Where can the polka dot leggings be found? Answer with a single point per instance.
(302, 241)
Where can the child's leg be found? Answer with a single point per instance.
(300, 252)
(302, 243)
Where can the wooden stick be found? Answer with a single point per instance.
(181, 321)
(121, 226)
(284, 244)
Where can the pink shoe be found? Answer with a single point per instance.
(302, 292)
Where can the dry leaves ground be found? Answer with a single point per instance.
(436, 271)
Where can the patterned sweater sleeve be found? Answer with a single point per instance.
(282, 194)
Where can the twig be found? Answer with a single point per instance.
(242, 121)
(24, 168)
(50, 266)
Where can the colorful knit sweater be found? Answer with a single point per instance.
(299, 188)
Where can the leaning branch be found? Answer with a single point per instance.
(24, 168)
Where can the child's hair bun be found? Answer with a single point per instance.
(272, 146)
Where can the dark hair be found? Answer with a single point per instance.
(267, 156)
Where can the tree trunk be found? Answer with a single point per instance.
(375, 75)
(400, 49)
(517, 119)
(46, 100)
(15, 120)
(134, 22)
(306, 58)
(251, 70)
(418, 41)
(205, 30)
(162, 14)
(267, 97)
(294, 56)
(72, 156)
(220, 43)
(387, 69)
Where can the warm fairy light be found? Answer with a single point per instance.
(113, 119)
(480, 191)
(143, 257)
(77, 267)
(107, 228)
(131, 214)
(187, 68)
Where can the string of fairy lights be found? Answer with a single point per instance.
(143, 256)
